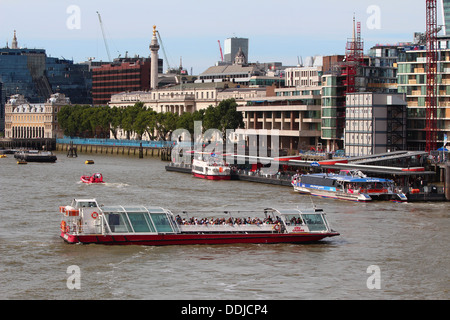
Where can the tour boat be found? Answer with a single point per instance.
(210, 166)
(347, 185)
(95, 178)
(84, 221)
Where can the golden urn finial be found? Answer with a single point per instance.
(154, 30)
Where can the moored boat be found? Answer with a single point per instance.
(210, 166)
(347, 185)
(35, 156)
(95, 178)
(84, 221)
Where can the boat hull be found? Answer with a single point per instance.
(211, 177)
(333, 195)
(196, 239)
(36, 158)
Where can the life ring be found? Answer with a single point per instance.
(277, 227)
(94, 215)
(63, 226)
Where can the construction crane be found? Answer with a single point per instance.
(104, 37)
(164, 50)
(221, 53)
(431, 98)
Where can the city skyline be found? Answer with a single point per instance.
(190, 29)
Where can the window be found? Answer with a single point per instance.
(314, 222)
(161, 222)
(141, 222)
(118, 222)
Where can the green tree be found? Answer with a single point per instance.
(116, 115)
(166, 124)
(129, 118)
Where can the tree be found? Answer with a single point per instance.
(229, 117)
(129, 118)
(224, 116)
(116, 115)
(166, 124)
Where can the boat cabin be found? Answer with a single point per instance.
(85, 216)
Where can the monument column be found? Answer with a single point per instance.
(154, 47)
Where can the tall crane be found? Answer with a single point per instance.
(431, 98)
(164, 50)
(104, 37)
(221, 53)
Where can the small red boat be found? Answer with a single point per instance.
(84, 221)
(95, 178)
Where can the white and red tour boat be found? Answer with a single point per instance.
(84, 221)
(95, 178)
(210, 166)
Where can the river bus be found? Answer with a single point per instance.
(347, 185)
(84, 221)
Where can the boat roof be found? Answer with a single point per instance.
(349, 178)
(117, 209)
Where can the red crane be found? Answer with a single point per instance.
(220, 47)
(354, 52)
(431, 98)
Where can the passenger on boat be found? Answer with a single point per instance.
(223, 221)
(296, 221)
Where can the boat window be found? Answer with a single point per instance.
(293, 219)
(117, 222)
(141, 222)
(161, 222)
(315, 222)
(87, 204)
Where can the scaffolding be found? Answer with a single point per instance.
(354, 55)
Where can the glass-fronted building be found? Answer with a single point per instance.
(446, 16)
(412, 81)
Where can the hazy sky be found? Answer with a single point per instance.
(278, 30)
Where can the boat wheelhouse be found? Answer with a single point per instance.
(347, 185)
(84, 221)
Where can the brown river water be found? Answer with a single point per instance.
(386, 250)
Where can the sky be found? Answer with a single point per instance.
(278, 31)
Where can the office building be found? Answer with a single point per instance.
(74, 80)
(412, 82)
(446, 16)
(294, 112)
(375, 123)
(233, 46)
(124, 74)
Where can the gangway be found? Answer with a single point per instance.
(385, 156)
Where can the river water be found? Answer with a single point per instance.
(386, 250)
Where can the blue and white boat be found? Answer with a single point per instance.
(347, 185)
